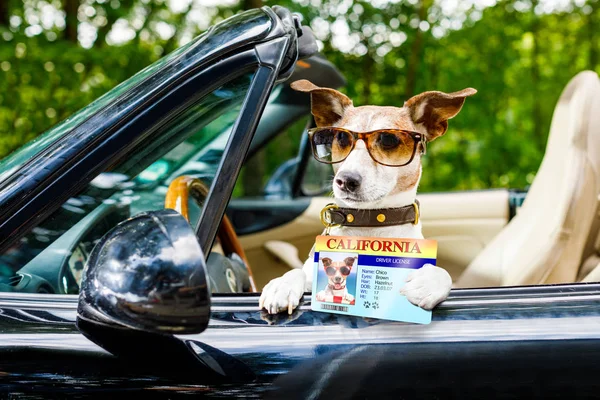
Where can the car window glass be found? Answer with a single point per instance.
(51, 256)
(271, 170)
(317, 178)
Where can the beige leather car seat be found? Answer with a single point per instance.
(549, 237)
(590, 269)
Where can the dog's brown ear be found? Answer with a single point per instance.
(432, 110)
(327, 105)
(326, 260)
(349, 260)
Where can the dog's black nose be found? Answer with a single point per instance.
(348, 181)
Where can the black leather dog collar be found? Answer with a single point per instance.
(333, 215)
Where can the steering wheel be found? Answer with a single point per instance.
(177, 198)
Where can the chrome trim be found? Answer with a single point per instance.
(459, 298)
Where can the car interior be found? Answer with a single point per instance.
(486, 238)
(555, 231)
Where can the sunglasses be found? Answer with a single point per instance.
(344, 270)
(389, 147)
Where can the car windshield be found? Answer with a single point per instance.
(18, 158)
(51, 256)
(163, 70)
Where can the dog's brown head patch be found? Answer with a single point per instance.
(326, 261)
(349, 261)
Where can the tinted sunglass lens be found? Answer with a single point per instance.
(342, 146)
(330, 271)
(342, 140)
(323, 137)
(389, 141)
(322, 141)
(331, 145)
(345, 271)
(393, 148)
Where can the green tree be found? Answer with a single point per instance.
(519, 54)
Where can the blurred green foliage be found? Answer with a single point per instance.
(56, 56)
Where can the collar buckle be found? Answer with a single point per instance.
(326, 217)
(416, 207)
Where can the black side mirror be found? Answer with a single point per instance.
(148, 274)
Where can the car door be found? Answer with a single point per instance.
(530, 342)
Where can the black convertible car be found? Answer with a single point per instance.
(138, 188)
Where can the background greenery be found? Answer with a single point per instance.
(56, 56)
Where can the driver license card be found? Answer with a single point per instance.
(362, 276)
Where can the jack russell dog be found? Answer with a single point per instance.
(376, 157)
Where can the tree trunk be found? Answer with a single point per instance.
(4, 13)
(413, 64)
(111, 17)
(71, 8)
(367, 78)
(434, 70)
(415, 54)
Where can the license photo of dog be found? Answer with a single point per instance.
(375, 152)
(336, 279)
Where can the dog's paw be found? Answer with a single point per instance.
(427, 287)
(280, 319)
(283, 293)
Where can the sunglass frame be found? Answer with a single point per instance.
(336, 269)
(364, 136)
